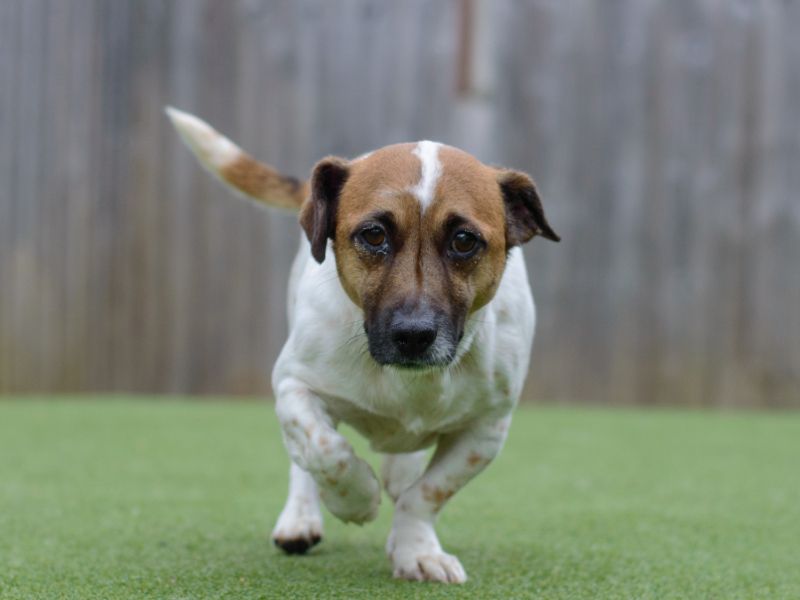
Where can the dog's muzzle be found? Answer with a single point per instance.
(412, 338)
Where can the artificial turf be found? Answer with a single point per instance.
(129, 498)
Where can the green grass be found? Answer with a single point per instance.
(127, 498)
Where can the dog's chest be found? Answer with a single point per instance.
(385, 434)
(398, 413)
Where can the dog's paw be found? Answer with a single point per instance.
(416, 554)
(436, 566)
(352, 495)
(298, 529)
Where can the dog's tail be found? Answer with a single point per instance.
(234, 167)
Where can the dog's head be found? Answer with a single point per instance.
(420, 233)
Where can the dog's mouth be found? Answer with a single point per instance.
(426, 364)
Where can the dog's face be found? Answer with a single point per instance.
(420, 233)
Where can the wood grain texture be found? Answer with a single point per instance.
(664, 137)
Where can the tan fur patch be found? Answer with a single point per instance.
(466, 190)
(436, 495)
(260, 181)
(474, 459)
(377, 184)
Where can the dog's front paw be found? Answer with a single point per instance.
(438, 566)
(353, 494)
(416, 554)
(298, 528)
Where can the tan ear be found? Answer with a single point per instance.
(524, 213)
(234, 167)
(318, 213)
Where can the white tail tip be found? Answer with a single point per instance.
(212, 149)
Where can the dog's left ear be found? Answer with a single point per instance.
(524, 213)
(318, 213)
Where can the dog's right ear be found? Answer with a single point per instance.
(318, 213)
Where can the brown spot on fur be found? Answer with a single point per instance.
(343, 492)
(262, 182)
(435, 495)
(331, 480)
(474, 459)
(441, 496)
(340, 467)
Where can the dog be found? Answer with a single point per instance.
(410, 319)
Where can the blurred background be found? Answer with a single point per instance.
(664, 136)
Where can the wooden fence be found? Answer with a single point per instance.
(665, 137)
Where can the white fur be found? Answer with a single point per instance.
(431, 169)
(212, 149)
(325, 375)
(301, 518)
(399, 471)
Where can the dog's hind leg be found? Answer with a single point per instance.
(400, 471)
(299, 526)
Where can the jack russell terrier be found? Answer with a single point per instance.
(410, 319)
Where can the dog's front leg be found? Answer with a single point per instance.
(299, 525)
(347, 484)
(413, 547)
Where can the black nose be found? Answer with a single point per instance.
(413, 338)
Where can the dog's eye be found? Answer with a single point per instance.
(464, 244)
(374, 236)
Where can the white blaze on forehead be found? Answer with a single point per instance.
(428, 154)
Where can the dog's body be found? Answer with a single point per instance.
(410, 318)
(402, 410)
